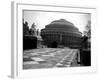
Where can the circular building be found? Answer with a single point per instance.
(61, 33)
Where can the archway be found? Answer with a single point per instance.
(54, 44)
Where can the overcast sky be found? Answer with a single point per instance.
(41, 18)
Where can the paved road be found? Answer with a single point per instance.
(48, 58)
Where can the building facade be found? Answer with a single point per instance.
(61, 33)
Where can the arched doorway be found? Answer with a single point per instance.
(54, 44)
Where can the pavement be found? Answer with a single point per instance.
(49, 58)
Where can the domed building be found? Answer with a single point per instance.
(61, 33)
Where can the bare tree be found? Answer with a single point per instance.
(25, 28)
(87, 32)
(32, 30)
